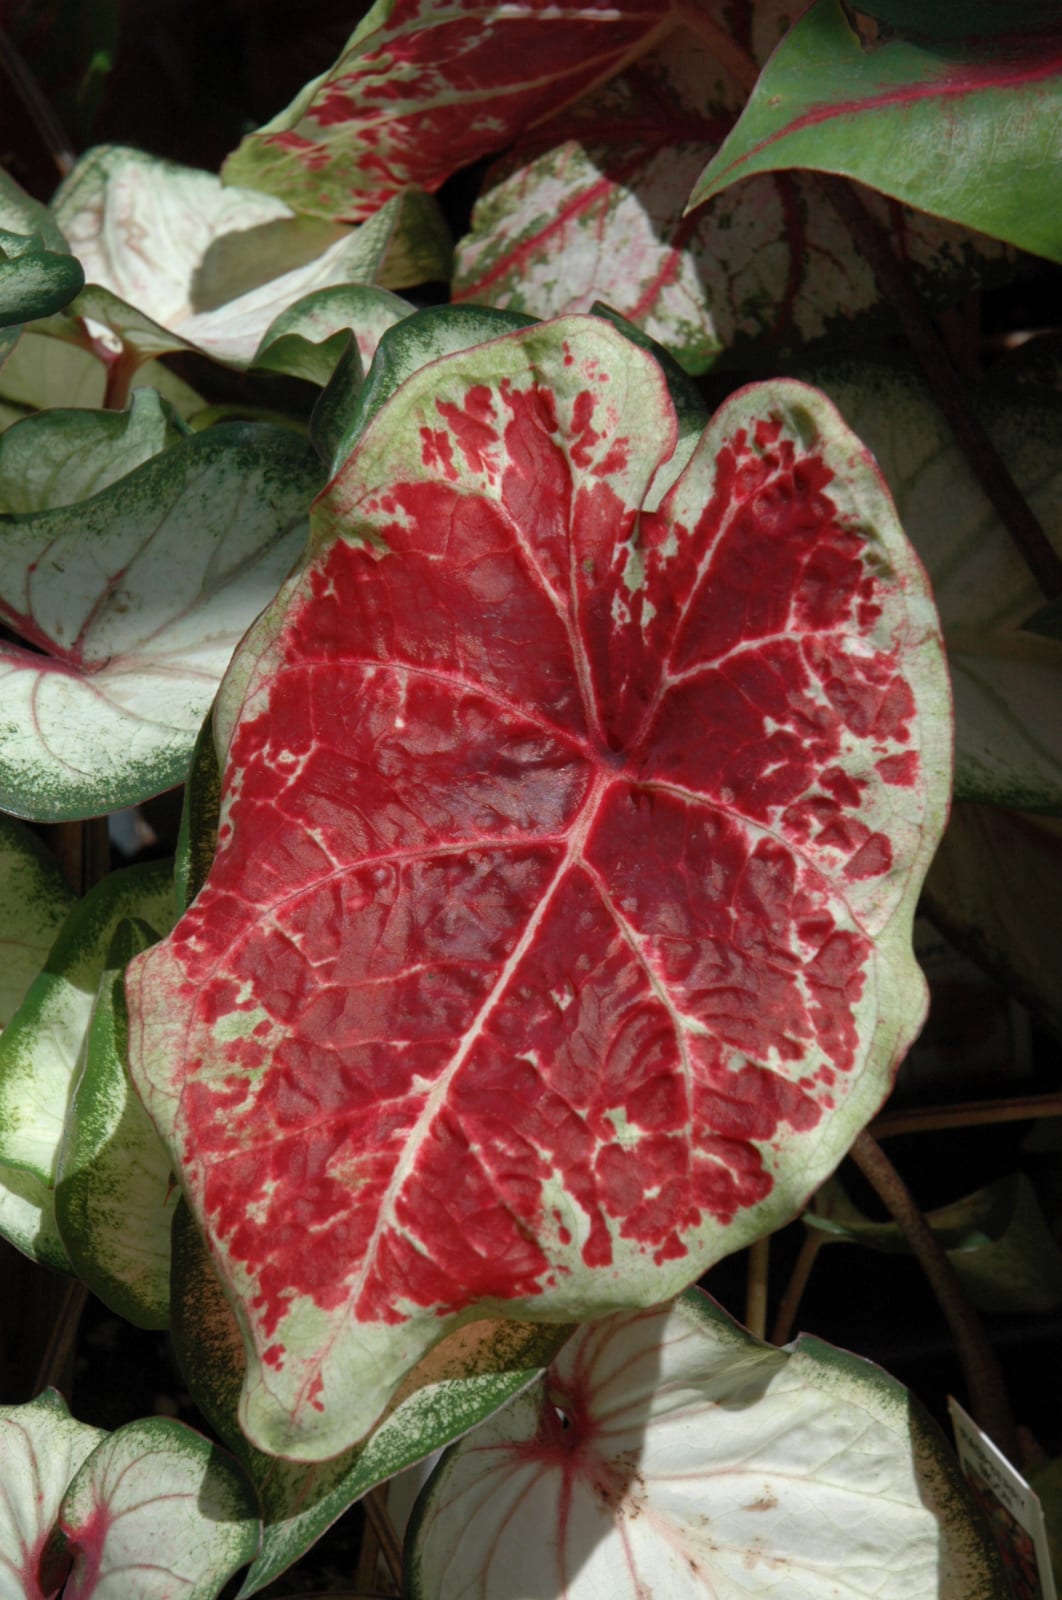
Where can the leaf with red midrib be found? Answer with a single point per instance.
(575, 806)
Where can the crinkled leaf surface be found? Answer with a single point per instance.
(64, 455)
(998, 1240)
(40, 1048)
(590, 206)
(669, 1453)
(966, 127)
(137, 599)
(176, 260)
(41, 1448)
(995, 888)
(34, 280)
(464, 1379)
(114, 1190)
(1007, 682)
(427, 86)
(558, 937)
(157, 1510)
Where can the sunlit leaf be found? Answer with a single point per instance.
(590, 207)
(965, 127)
(157, 1510)
(558, 937)
(177, 260)
(424, 87)
(669, 1453)
(997, 1239)
(114, 1192)
(460, 1382)
(1007, 683)
(134, 601)
(60, 456)
(41, 1448)
(307, 340)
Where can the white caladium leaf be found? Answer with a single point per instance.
(34, 902)
(464, 1379)
(558, 937)
(669, 1453)
(114, 1191)
(40, 1050)
(135, 600)
(590, 207)
(307, 340)
(41, 1448)
(1007, 683)
(156, 1510)
(176, 260)
(61, 456)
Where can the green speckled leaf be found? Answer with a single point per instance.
(465, 1379)
(64, 455)
(667, 1452)
(114, 1191)
(156, 1512)
(307, 340)
(135, 601)
(34, 280)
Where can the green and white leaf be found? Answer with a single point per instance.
(138, 597)
(41, 1449)
(997, 1239)
(176, 260)
(34, 280)
(157, 1510)
(308, 339)
(667, 1452)
(1007, 683)
(20, 213)
(61, 456)
(114, 1191)
(40, 1050)
(464, 1379)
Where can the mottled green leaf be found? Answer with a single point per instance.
(135, 600)
(667, 1452)
(308, 339)
(63, 455)
(967, 128)
(34, 281)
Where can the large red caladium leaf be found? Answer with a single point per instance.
(426, 86)
(574, 810)
(591, 206)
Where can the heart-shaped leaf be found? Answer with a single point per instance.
(40, 1050)
(558, 936)
(464, 1379)
(137, 598)
(885, 114)
(114, 1191)
(177, 260)
(590, 206)
(669, 1453)
(157, 1510)
(1006, 681)
(61, 456)
(424, 87)
(34, 281)
(41, 1448)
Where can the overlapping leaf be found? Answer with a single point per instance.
(961, 124)
(670, 1453)
(591, 207)
(63, 455)
(461, 1381)
(558, 937)
(42, 371)
(176, 260)
(1007, 682)
(40, 1052)
(131, 604)
(427, 86)
(41, 1448)
(34, 280)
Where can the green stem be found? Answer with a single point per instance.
(989, 1402)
